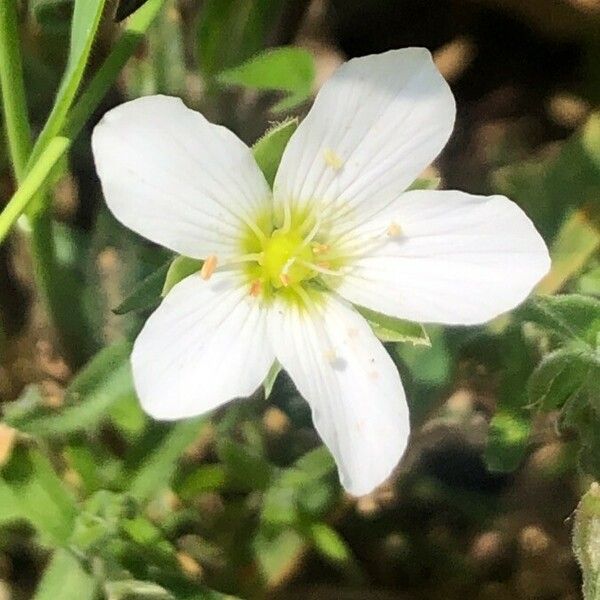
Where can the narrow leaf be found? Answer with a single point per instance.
(270, 379)
(85, 22)
(158, 467)
(231, 31)
(145, 294)
(329, 543)
(576, 242)
(285, 69)
(180, 268)
(391, 329)
(104, 381)
(425, 183)
(39, 494)
(65, 578)
(127, 7)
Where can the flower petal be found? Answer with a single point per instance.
(451, 258)
(374, 126)
(204, 345)
(178, 180)
(351, 384)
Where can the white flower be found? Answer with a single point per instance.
(284, 268)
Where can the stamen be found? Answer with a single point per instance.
(209, 266)
(311, 235)
(303, 294)
(330, 356)
(394, 230)
(285, 279)
(318, 268)
(332, 159)
(320, 248)
(256, 288)
(288, 263)
(256, 230)
(254, 257)
(360, 248)
(287, 218)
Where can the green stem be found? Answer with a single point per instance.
(32, 183)
(13, 89)
(81, 112)
(20, 147)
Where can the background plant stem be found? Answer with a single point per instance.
(46, 153)
(13, 90)
(47, 273)
(80, 113)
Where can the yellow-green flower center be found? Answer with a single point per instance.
(286, 259)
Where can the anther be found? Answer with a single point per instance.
(330, 356)
(256, 288)
(285, 279)
(320, 248)
(209, 266)
(394, 230)
(333, 159)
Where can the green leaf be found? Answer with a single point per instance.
(128, 416)
(277, 551)
(547, 186)
(145, 294)
(50, 148)
(163, 70)
(37, 494)
(126, 7)
(391, 329)
(131, 589)
(53, 15)
(589, 282)
(231, 31)
(270, 379)
(65, 578)
(507, 441)
(246, 469)
(84, 461)
(571, 316)
(10, 508)
(578, 239)
(329, 543)
(84, 24)
(583, 418)
(268, 150)
(205, 478)
(285, 69)
(180, 268)
(510, 427)
(158, 466)
(304, 490)
(558, 377)
(104, 381)
(586, 541)
(425, 183)
(429, 362)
